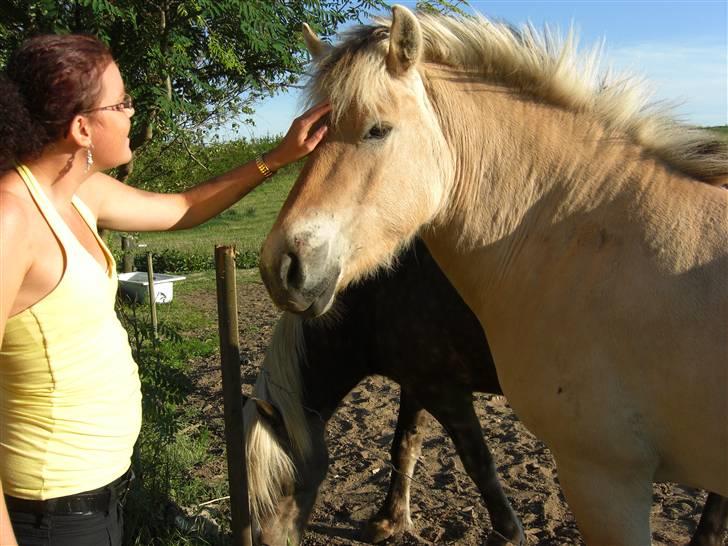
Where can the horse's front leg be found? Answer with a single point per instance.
(610, 498)
(457, 415)
(713, 522)
(393, 517)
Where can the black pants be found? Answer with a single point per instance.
(98, 529)
(103, 525)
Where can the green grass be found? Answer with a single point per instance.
(244, 225)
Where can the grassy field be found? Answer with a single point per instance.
(244, 225)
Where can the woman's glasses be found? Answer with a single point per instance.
(126, 104)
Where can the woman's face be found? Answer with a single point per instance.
(110, 127)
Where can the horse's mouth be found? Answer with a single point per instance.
(322, 302)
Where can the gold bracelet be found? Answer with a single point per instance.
(262, 167)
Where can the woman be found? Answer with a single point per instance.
(69, 389)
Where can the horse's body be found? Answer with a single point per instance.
(410, 326)
(577, 226)
(406, 325)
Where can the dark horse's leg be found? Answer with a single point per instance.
(457, 415)
(394, 515)
(713, 522)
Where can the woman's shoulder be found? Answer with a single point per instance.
(15, 202)
(20, 220)
(93, 190)
(16, 213)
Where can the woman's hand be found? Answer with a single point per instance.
(298, 142)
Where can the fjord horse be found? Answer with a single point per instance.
(580, 225)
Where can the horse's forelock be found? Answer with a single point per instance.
(280, 380)
(270, 468)
(353, 72)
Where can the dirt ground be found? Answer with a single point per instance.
(446, 506)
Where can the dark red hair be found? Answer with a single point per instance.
(46, 82)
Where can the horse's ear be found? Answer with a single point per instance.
(405, 41)
(316, 47)
(272, 416)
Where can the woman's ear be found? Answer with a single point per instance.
(79, 131)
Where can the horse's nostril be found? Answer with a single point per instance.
(285, 268)
(291, 271)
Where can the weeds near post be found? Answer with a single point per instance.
(164, 384)
(163, 455)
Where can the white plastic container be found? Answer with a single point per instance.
(135, 286)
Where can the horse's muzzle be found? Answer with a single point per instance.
(302, 279)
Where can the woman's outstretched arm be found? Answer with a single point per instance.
(123, 208)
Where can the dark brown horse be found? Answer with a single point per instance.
(409, 325)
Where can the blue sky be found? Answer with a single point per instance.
(680, 46)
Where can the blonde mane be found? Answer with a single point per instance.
(541, 64)
(270, 465)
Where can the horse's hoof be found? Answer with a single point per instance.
(380, 529)
(496, 539)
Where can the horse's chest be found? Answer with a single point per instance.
(559, 397)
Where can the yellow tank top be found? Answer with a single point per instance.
(70, 397)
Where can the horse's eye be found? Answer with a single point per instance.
(378, 132)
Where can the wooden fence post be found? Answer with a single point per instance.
(227, 312)
(127, 245)
(152, 297)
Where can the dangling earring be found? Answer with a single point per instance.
(89, 158)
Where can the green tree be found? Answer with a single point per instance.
(187, 62)
(458, 7)
(190, 64)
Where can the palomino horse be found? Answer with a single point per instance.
(411, 326)
(578, 224)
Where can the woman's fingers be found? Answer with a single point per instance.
(300, 140)
(313, 140)
(315, 112)
(311, 116)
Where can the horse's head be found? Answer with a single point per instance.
(283, 486)
(381, 173)
(286, 452)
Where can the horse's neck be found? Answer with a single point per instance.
(513, 154)
(333, 368)
(325, 392)
(530, 178)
